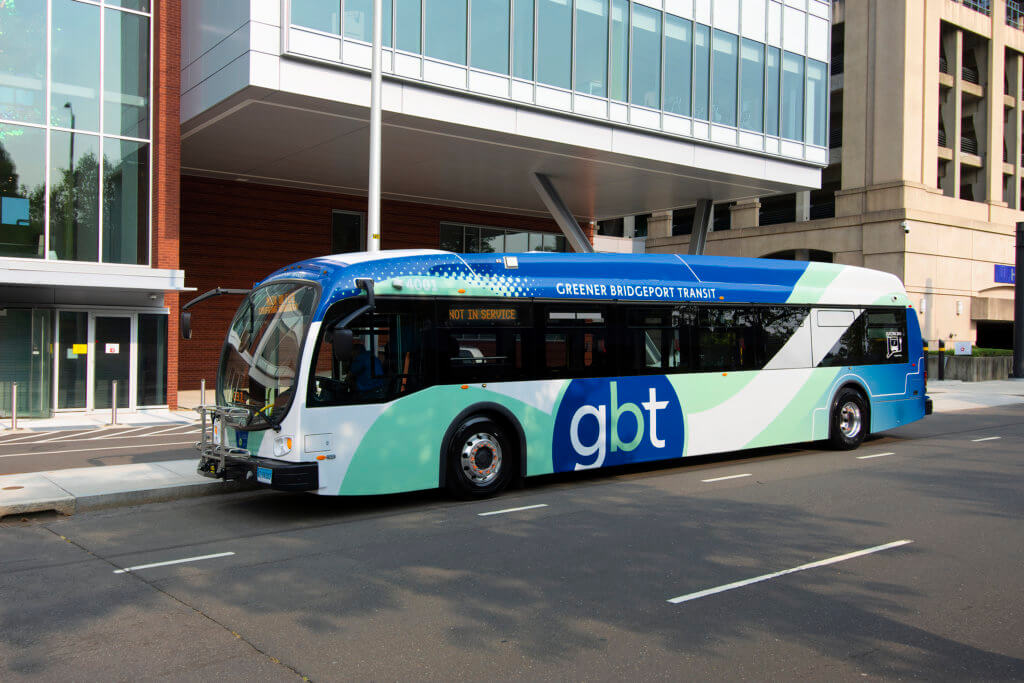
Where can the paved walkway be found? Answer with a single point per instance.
(76, 489)
(100, 418)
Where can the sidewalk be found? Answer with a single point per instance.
(953, 394)
(90, 488)
(100, 418)
(74, 490)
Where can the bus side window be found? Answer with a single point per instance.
(727, 339)
(656, 340)
(849, 349)
(576, 342)
(885, 336)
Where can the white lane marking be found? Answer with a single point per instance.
(766, 577)
(83, 450)
(501, 512)
(875, 455)
(169, 429)
(120, 432)
(164, 564)
(731, 476)
(25, 437)
(72, 436)
(110, 436)
(987, 438)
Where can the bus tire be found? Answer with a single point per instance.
(481, 459)
(849, 421)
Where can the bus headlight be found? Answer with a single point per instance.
(282, 445)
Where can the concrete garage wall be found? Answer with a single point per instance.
(971, 369)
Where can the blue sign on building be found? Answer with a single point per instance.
(1006, 274)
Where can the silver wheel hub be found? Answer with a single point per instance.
(850, 420)
(481, 459)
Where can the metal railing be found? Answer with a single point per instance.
(942, 138)
(970, 75)
(969, 145)
(835, 138)
(837, 65)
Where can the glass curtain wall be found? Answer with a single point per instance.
(98, 146)
(613, 49)
(26, 358)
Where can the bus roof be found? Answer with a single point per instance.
(633, 277)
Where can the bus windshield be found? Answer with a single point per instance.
(260, 361)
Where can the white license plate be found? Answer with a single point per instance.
(264, 475)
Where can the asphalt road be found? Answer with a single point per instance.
(908, 551)
(57, 450)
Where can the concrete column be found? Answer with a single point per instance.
(660, 224)
(803, 206)
(745, 214)
(993, 163)
(1016, 147)
(956, 66)
(926, 14)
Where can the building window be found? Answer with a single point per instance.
(723, 91)
(752, 86)
(619, 73)
(23, 62)
(321, 15)
(817, 103)
(554, 42)
(792, 96)
(489, 25)
(477, 239)
(701, 70)
(22, 194)
(645, 62)
(98, 169)
(771, 91)
(678, 64)
(407, 25)
(446, 30)
(592, 47)
(522, 39)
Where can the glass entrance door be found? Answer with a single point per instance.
(72, 359)
(112, 360)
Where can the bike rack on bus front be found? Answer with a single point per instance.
(210, 449)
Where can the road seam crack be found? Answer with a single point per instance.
(184, 604)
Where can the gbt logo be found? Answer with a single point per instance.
(602, 422)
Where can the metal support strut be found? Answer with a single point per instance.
(560, 212)
(703, 218)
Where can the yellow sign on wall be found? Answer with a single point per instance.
(79, 348)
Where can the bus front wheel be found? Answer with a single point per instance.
(849, 421)
(480, 459)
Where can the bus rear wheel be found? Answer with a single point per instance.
(849, 422)
(480, 459)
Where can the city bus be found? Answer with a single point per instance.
(393, 371)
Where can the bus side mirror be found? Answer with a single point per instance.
(186, 324)
(341, 340)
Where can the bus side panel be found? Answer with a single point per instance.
(400, 449)
(732, 411)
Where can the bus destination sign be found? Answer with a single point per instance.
(478, 315)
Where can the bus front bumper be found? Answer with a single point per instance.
(927, 405)
(278, 475)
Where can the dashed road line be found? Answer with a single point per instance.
(170, 562)
(506, 510)
(874, 455)
(987, 438)
(731, 476)
(773, 575)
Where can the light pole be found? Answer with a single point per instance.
(70, 227)
(373, 191)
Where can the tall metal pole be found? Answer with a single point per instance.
(373, 198)
(1018, 307)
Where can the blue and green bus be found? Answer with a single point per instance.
(375, 373)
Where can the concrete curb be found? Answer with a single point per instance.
(93, 488)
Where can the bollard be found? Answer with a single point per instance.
(942, 359)
(113, 402)
(926, 354)
(14, 406)
(202, 392)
